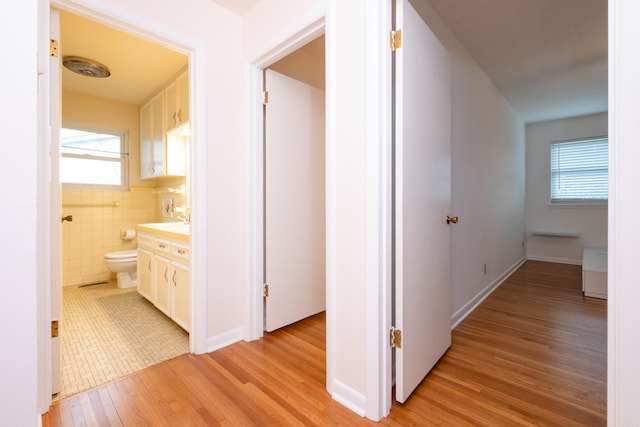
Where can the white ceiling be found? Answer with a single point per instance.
(547, 57)
(239, 7)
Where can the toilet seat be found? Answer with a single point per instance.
(119, 255)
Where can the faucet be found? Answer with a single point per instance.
(186, 218)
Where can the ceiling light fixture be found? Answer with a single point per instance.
(86, 67)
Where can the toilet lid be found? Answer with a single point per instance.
(121, 254)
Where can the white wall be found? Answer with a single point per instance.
(488, 177)
(18, 222)
(589, 221)
(623, 373)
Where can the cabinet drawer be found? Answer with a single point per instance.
(161, 245)
(180, 251)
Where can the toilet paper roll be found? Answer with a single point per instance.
(127, 234)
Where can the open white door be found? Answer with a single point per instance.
(294, 201)
(422, 200)
(54, 203)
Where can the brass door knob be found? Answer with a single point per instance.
(452, 219)
(67, 218)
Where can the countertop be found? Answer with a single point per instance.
(175, 230)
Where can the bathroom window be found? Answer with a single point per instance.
(579, 171)
(92, 158)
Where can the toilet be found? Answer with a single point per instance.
(124, 264)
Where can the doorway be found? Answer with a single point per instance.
(100, 217)
(255, 304)
(294, 187)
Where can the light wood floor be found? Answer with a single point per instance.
(534, 353)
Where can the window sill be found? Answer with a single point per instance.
(579, 204)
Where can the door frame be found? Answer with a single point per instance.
(375, 402)
(254, 309)
(155, 32)
(254, 178)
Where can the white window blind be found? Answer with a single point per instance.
(579, 170)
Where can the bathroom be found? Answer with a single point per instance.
(99, 216)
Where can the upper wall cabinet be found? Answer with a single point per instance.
(152, 138)
(161, 156)
(177, 102)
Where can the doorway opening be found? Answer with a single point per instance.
(294, 186)
(108, 331)
(254, 303)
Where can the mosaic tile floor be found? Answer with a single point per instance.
(109, 332)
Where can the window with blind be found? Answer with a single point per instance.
(579, 171)
(90, 159)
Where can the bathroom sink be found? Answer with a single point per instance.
(167, 227)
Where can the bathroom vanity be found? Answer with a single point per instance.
(164, 269)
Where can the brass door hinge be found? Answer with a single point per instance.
(396, 40)
(54, 329)
(265, 98)
(395, 338)
(266, 290)
(53, 48)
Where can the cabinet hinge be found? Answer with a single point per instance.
(54, 329)
(395, 338)
(266, 290)
(396, 40)
(265, 97)
(53, 48)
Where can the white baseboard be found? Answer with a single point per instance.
(553, 259)
(461, 314)
(349, 398)
(224, 339)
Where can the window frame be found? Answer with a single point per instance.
(576, 201)
(123, 159)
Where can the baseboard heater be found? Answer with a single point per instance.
(550, 233)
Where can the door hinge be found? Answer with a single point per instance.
(395, 338)
(54, 329)
(53, 48)
(396, 40)
(265, 98)
(266, 290)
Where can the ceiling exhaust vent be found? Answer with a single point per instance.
(86, 67)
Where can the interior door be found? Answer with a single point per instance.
(55, 242)
(422, 199)
(294, 200)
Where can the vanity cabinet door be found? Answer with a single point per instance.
(145, 274)
(162, 274)
(181, 296)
